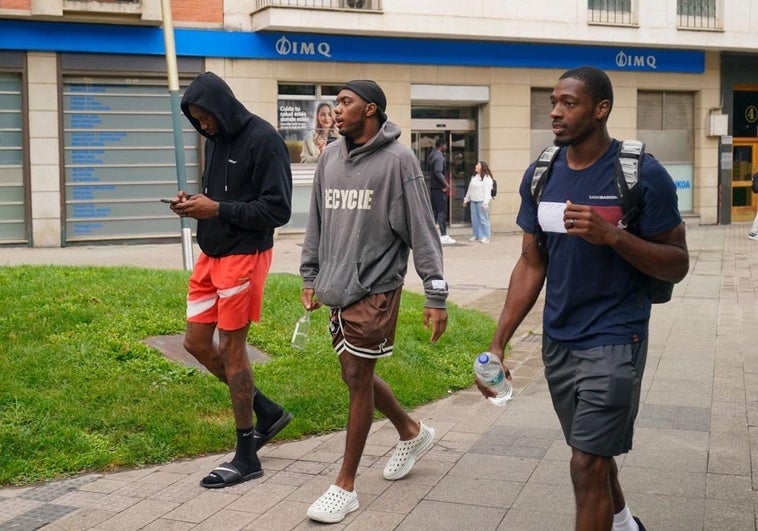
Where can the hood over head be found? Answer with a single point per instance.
(211, 93)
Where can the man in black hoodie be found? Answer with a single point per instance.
(246, 193)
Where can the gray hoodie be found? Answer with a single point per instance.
(368, 209)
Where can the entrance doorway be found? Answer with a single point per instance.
(744, 151)
(461, 158)
(745, 163)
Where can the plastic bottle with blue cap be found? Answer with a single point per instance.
(490, 371)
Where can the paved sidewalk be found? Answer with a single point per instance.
(490, 468)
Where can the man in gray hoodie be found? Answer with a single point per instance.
(369, 207)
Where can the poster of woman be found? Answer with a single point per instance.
(307, 127)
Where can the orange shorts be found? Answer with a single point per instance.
(228, 290)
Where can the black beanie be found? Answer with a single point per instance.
(369, 92)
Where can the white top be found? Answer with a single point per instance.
(479, 189)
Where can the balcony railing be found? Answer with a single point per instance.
(699, 14)
(612, 12)
(362, 5)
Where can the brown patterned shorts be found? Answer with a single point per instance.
(366, 328)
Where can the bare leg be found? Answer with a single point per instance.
(198, 341)
(387, 404)
(228, 362)
(358, 374)
(590, 475)
(618, 496)
(239, 374)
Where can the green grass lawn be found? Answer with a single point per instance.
(80, 391)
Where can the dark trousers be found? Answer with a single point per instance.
(439, 208)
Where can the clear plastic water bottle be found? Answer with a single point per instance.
(302, 327)
(489, 370)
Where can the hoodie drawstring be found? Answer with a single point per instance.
(226, 167)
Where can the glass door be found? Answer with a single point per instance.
(461, 159)
(745, 163)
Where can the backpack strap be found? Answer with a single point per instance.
(542, 169)
(627, 170)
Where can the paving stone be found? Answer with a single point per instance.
(114, 502)
(722, 515)
(669, 482)
(552, 473)
(400, 497)
(673, 416)
(685, 451)
(665, 512)
(78, 498)
(13, 507)
(262, 498)
(162, 524)
(288, 515)
(476, 491)
(544, 497)
(201, 507)
(137, 516)
(729, 488)
(451, 517)
(86, 518)
(226, 520)
(37, 517)
(373, 520)
(530, 520)
(517, 469)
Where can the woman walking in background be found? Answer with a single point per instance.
(479, 194)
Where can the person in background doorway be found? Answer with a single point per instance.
(369, 207)
(439, 187)
(246, 193)
(597, 293)
(479, 195)
(753, 235)
(324, 131)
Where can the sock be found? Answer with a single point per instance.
(623, 521)
(246, 459)
(266, 411)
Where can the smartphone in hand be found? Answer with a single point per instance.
(172, 201)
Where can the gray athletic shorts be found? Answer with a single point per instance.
(596, 393)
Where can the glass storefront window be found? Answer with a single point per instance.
(665, 123)
(119, 159)
(12, 205)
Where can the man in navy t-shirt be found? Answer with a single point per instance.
(597, 303)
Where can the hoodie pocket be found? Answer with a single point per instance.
(338, 284)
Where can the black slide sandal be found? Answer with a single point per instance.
(262, 438)
(229, 475)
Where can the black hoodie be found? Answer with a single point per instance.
(247, 169)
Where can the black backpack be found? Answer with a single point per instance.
(494, 187)
(627, 170)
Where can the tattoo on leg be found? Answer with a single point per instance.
(241, 391)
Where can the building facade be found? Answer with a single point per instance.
(86, 140)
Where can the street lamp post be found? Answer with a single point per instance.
(173, 88)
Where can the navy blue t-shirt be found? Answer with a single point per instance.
(593, 296)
